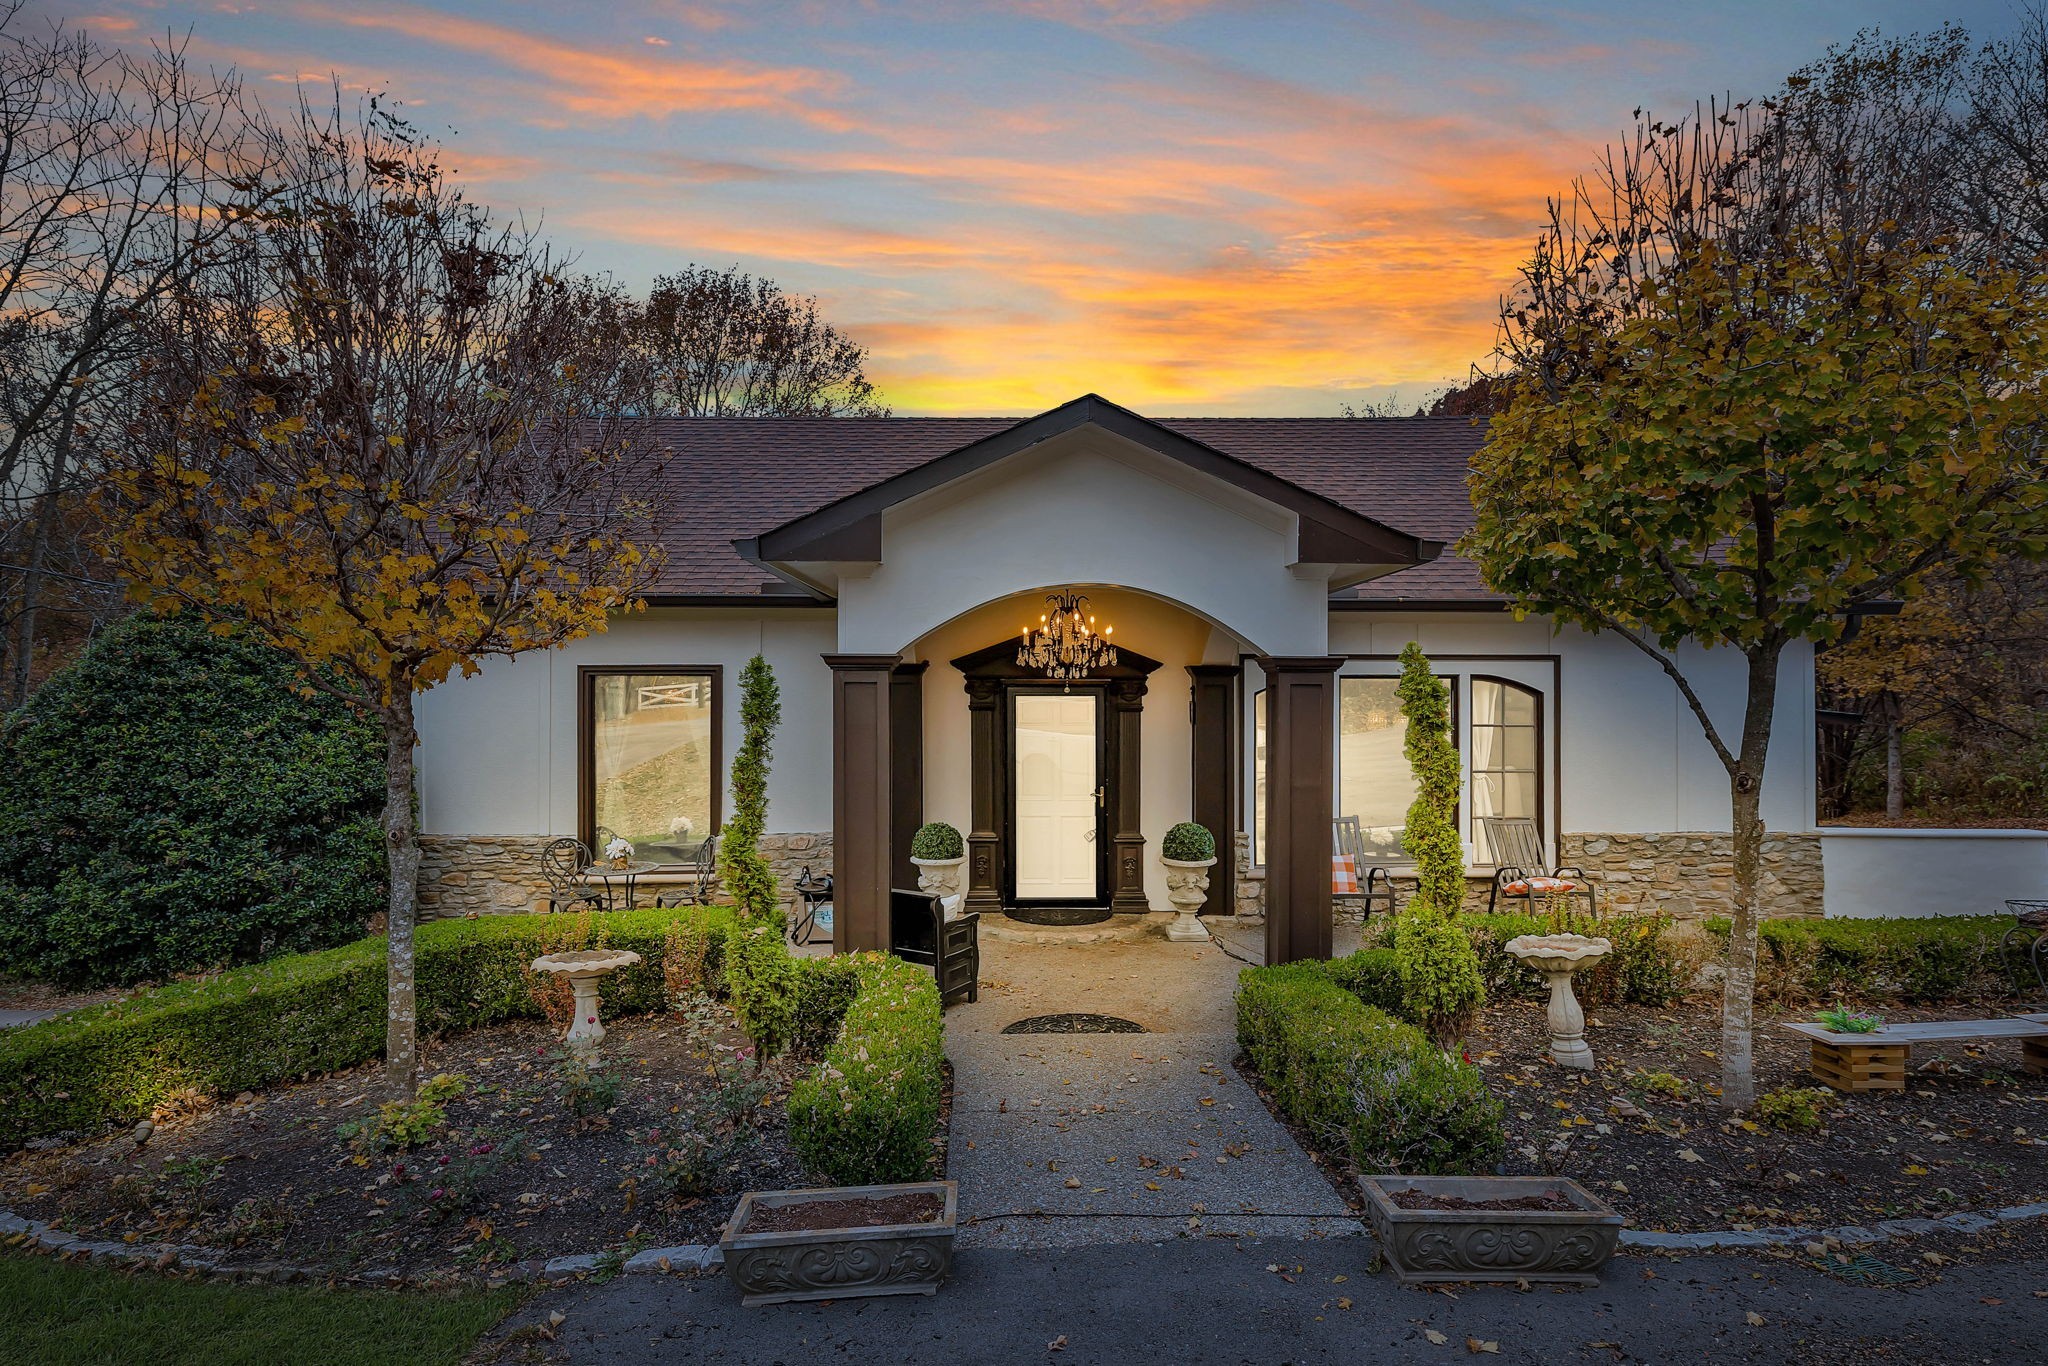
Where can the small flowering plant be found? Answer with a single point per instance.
(618, 849)
(1841, 1020)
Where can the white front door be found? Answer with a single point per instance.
(1056, 749)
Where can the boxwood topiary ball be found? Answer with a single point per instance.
(1188, 843)
(936, 842)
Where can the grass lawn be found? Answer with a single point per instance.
(57, 1314)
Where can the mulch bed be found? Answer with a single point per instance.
(826, 1214)
(1645, 1131)
(1553, 1201)
(513, 1177)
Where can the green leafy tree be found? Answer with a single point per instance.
(746, 874)
(175, 800)
(1756, 388)
(1441, 985)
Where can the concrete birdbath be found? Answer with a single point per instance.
(1557, 957)
(583, 967)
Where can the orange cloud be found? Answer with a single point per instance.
(587, 82)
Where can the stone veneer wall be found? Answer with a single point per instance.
(1689, 875)
(462, 875)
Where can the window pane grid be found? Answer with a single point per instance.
(1507, 746)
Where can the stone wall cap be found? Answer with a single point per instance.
(1870, 832)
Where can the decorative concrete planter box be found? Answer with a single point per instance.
(1431, 1245)
(839, 1263)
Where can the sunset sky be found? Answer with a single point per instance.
(1192, 208)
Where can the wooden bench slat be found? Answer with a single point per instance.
(1929, 1031)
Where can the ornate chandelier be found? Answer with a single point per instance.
(1066, 644)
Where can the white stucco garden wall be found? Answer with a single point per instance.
(1931, 872)
(498, 751)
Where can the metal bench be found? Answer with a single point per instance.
(1877, 1061)
(1518, 856)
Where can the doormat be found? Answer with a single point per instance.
(1058, 915)
(1075, 1024)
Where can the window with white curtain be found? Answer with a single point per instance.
(1507, 756)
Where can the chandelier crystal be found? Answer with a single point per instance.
(1066, 644)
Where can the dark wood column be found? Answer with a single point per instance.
(1127, 845)
(1301, 715)
(1212, 717)
(906, 769)
(861, 828)
(985, 752)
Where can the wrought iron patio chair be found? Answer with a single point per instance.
(1518, 856)
(703, 884)
(562, 863)
(1376, 884)
(2029, 935)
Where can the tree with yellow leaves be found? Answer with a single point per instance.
(387, 433)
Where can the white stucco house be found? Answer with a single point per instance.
(1258, 577)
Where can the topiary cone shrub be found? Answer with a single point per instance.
(174, 801)
(937, 842)
(747, 877)
(1441, 984)
(1188, 842)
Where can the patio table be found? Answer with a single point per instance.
(607, 874)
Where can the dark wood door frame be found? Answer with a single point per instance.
(991, 675)
(1212, 717)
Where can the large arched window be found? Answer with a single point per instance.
(1507, 756)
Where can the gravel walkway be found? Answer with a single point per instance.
(1066, 1140)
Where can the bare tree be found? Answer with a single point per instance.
(723, 343)
(119, 174)
(393, 435)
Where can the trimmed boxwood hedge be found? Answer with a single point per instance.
(320, 1012)
(1928, 960)
(1646, 966)
(1363, 1084)
(869, 1111)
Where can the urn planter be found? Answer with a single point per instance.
(847, 1261)
(940, 877)
(1187, 887)
(1459, 1232)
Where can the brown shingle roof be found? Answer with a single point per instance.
(729, 478)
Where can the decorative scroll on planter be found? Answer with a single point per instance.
(839, 1263)
(1429, 1246)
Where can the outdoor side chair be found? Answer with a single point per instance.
(562, 863)
(920, 932)
(1518, 857)
(704, 879)
(1376, 884)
